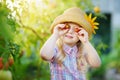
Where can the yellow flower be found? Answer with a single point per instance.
(96, 9)
(92, 22)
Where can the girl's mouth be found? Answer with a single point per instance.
(68, 36)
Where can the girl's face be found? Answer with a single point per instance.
(70, 38)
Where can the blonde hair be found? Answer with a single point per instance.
(81, 61)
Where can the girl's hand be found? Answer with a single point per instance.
(82, 34)
(60, 29)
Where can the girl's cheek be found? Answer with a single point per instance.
(76, 37)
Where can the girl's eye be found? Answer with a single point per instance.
(76, 29)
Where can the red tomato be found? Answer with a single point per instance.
(6, 65)
(77, 29)
(10, 61)
(1, 59)
(1, 65)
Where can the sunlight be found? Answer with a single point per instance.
(40, 3)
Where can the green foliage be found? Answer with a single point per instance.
(114, 57)
(7, 30)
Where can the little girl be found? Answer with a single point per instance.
(68, 49)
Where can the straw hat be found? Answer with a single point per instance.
(75, 15)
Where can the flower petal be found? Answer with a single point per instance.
(94, 19)
(96, 27)
(90, 16)
(95, 23)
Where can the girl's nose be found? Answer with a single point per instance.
(71, 30)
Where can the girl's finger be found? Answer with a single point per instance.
(81, 33)
(63, 32)
(61, 25)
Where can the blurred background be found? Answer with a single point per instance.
(24, 27)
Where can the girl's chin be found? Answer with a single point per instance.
(69, 42)
(68, 38)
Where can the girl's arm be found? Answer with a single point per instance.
(92, 56)
(47, 51)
